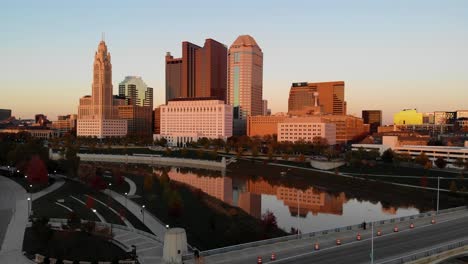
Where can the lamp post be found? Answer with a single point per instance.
(372, 243)
(143, 213)
(29, 207)
(126, 198)
(167, 226)
(438, 191)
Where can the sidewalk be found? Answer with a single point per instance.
(13, 196)
(150, 221)
(57, 184)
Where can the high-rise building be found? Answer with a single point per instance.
(310, 98)
(373, 118)
(5, 114)
(188, 119)
(98, 114)
(136, 92)
(157, 120)
(245, 85)
(138, 108)
(265, 107)
(306, 131)
(200, 72)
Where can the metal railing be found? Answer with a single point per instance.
(428, 252)
(321, 233)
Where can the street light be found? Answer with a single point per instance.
(167, 226)
(143, 213)
(126, 198)
(29, 207)
(438, 191)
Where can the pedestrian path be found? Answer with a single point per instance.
(148, 219)
(13, 201)
(127, 223)
(149, 250)
(101, 218)
(132, 185)
(57, 184)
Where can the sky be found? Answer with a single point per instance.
(392, 54)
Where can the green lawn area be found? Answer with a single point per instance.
(71, 245)
(46, 206)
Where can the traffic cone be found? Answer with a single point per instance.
(259, 260)
(411, 226)
(379, 233)
(338, 242)
(316, 246)
(395, 229)
(358, 237)
(273, 256)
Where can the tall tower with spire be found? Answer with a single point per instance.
(102, 82)
(98, 113)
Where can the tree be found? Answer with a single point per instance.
(269, 221)
(37, 172)
(422, 159)
(459, 163)
(148, 183)
(387, 156)
(440, 163)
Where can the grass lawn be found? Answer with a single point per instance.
(46, 206)
(72, 245)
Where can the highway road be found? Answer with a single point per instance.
(385, 247)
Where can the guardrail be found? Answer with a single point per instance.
(428, 252)
(321, 233)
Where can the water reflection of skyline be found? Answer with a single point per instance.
(246, 194)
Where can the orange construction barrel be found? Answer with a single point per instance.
(316, 246)
(259, 260)
(395, 229)
(273, 256)
(358, 237)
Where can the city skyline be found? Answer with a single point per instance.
(407, 55)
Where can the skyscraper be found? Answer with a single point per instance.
(304, 98)
(98, 113)
(200, 72)
(245, 77)
(136, 92)
(373, 118)
(138, 108)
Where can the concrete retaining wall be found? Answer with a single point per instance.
(150, 160)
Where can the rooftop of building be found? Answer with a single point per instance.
(244, 40)
(305, 84)
(181, 99)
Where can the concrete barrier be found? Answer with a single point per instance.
(149, 160)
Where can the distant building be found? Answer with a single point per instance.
(98, 114)
(264, 125)
(201, 72)
(188, 119)
(136, 92)
(265, 108)
(5, 114)
(306, 131)
(157, 120)
(311, 98)
(65, 124)
(449, 154)
(348, 127)
(245, 85)
(428, 118)
(373, 118)
(408, 117)
(138, 108)
(41, 120)
(443, 117)
(36, 132)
